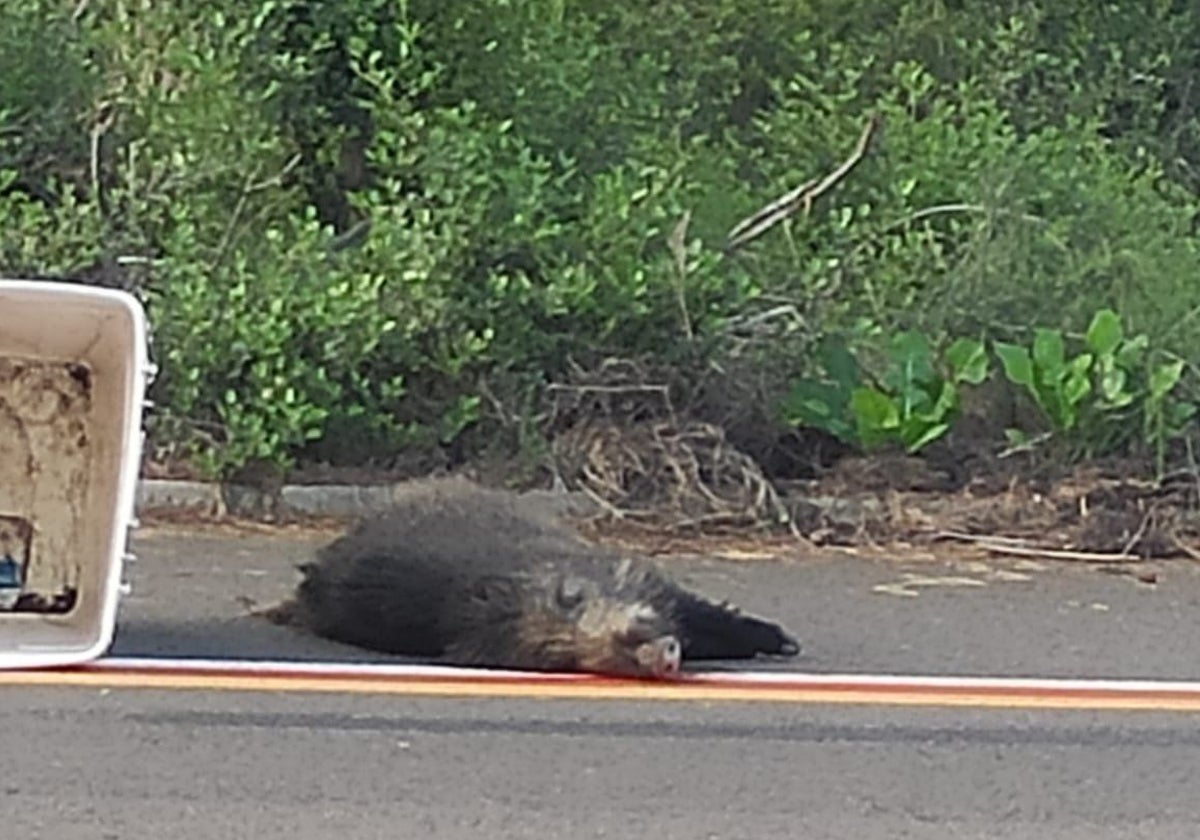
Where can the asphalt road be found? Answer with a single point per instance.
(309, 767)
(81, 763)
(1007, 618)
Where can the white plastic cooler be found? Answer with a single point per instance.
(73, 376)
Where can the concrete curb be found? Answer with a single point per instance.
(334, 501)
(348, 502)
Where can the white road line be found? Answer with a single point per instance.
(779, 679)
(748, 686)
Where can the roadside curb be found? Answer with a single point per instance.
(332, 501)
(348, 502)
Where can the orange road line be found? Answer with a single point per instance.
(209, 675)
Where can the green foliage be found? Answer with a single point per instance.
(825, 403)
(916, 404)
(46, 91)
(912, 404)
(1098, 392)
(362, 226)
(1058, 385)
(285, 342)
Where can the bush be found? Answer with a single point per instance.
(367, 226)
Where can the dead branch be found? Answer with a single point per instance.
(974, 538)
(802, 197)
(1183, 547)
(1002, 545)
(1143, 526)
(678, 244)
(973, 209)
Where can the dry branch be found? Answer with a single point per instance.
(802, 196)
(1002, 545)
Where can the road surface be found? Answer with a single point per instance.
(851, 615)
(99, 763)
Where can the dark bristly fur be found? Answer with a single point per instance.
(476, 577)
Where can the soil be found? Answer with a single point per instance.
(908, 507)
(666, 484)
(1094, 512)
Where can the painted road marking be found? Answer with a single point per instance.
(754, 686)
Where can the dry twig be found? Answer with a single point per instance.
(1003, 545)
(684, 477)
(802, 197)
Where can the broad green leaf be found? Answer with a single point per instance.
(819, 405)
(1105, 333)
(839, 362)
(875, 415)
(1130, 354)
(968, 361)
(1081, 364)
(1076, 387)
(911, 345)
(1049, 353)
(1018, 366)
(874, 409)
(812, 398)
(912, 357)
(947, 402)
(915, 397)
(1112, 387)
(1164, 377)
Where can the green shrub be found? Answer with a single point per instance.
(282, 339)
(372, 225)
(912, 403)
(1111, 395)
